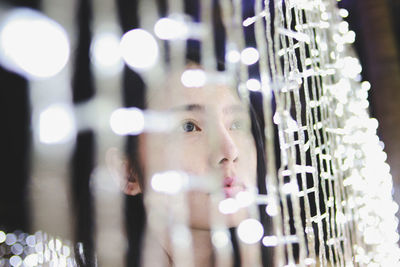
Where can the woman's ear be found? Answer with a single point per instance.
(122, 172)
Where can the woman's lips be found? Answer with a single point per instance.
(231, 187)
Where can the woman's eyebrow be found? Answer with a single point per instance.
(237, 108)
(189, 107)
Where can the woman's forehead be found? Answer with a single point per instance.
(217, 96)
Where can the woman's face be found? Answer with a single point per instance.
(206, 116)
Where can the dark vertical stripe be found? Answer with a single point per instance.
(83, 158)
(83, 85)
(133, 95)
(82, 166)
(237, 261)
(15, 144)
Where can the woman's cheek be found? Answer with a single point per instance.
(195, 157)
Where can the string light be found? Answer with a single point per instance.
(250, 231)
(56, 124)
(139, 49)
(32, 44)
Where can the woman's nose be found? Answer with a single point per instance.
(228, 152)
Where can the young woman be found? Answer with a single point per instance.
(211, 139)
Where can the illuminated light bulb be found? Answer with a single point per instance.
(249, 56)
(105, 52)
(308, 61)
(343, 27)
(31, 241)
(139, 49)
(270, 241)
(309, 261)
(350, 37)
(15, 261)
(220, 239)
(343, 13)
(31, 260)
(124, 121)
(168, 29)
(233, 56)
(169, 182)
(290, 188)
(228, 206)
(365, 85)
(56, 124)
(194, 78)
(351, 67)
(2, 237)
(250, 231)
(33, 45)
(253, 85)
(66, 251)
(272, 209)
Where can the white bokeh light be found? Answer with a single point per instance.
(139, 49)
(32, 44)
(270, 241)
(127, 121)
(253, 85)
(167, 29)
(250, 231)
(233, 56)
(56, 124)
(220, 239)
(228, 206)
(169, 182)
(31, 260)
(105, 52)
(249, 56)
(193, 78)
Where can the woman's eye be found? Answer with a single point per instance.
(190, 127)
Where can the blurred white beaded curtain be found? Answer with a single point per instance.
(326, 141)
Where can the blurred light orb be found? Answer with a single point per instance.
(15, 261)
(56, 124)
(11, 239)
(139, 49)
(253, 85)
(31, 260)
(250, 231)
(127, 121)
(365, 85)
(2, 237)
(343, 13)
(168, 29)
(270, 241)
(272, 209)
(220, 239)
(228, 206)
(33, 45)
(249, 56)
(105, 52)
(169, 182)
(193, 78)
(233, 56)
